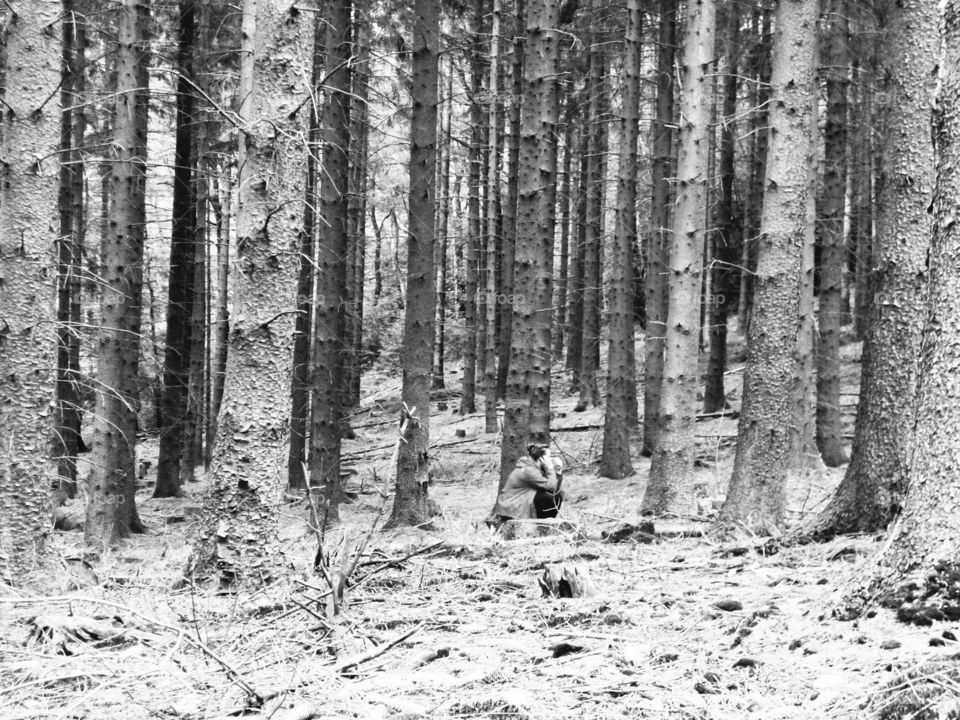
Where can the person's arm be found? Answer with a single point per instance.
(536, 478)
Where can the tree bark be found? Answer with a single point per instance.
(222, 203)
(771, 431)
(111, 508)
(671, 485)
(615, 458)
(237, 541)
(493, 195)
(410, 503)
(29, 140)
(443, 225)
(358, 223)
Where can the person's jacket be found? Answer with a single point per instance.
(515, 501)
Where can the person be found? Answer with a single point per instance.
(532, 489)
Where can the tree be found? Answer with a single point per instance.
(329, 395)
(670, 488)
(410, 503)
(111, 508)
(922, 542)
(29, 139)
(770, 436)
(615, 460)
(872, 490)
(180, 298)
(237, 539)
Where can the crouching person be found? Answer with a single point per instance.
(532, 490)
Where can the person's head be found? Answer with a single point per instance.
(536, 451)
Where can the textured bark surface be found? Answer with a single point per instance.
(111, 484)
(332, 244)
(237, 539)
(494, 144)
(621, 384)
(872, 490)
(771, 429)
(180, 296)
(926, 533)
(29, 131)
(528, 380)
(359, 151)
(410, 503)
(670, 488)
(655, 288)
(835, 60)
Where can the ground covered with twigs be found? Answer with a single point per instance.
(451, 622)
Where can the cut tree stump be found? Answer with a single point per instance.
(523, 529)
(567, 581)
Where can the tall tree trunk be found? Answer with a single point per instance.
(358, 222)
(726, 237)
(330, 330)
(493, 195)
(576, 256)
(656, 272)
(111, 508)
(833, 249)
(621, 384)
(303, 324)
(671, 484)
(29, 140)
(180, 296)
(443, 226)
(771, 436)
(528, 387)
(871, 493)
(222, 208)
(410, 502)
(560, 329)
(67, 440)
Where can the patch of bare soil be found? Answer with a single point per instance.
(451, 623)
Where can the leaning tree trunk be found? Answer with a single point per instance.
(833, 253)
(29, 140)
(921, 546)
(237, 540)
(180, 296)
(615, 459)
(528, 379)
(655, 291)
(671, 484)
(410, 503)
(871, 493)
(332, 243)
(770, 438)
(111, 485)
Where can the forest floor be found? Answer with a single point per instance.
(450, 622)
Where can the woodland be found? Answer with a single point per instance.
(288, 288)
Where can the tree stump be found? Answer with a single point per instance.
(567, 581)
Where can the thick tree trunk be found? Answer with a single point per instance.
(621, 384)
(331, 310)
(29, 140)
(871, 493)
(111, 508)
(410, 503)
(180, 295)
(771, 429)
(833, 252)
(528, 387)
(671, 485)
(237, 540)
(660, 218)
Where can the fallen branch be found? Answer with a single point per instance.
(375, 652)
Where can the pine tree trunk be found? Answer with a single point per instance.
(111, 509)
(871, 493)
(493, 194)
(237, 541)
(358, 221)
(528, 388)
(833, 253)
(29, 140)
(559, 326)
(615, 459)
(180, 294)
(660, 219)
(410, 502)
(443, 225)
(377, 253)
(330, 329)
(726, 237)
(671, 484)
(218, 371)
(770, 438)
(577, 257)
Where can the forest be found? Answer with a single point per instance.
(293, 292)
